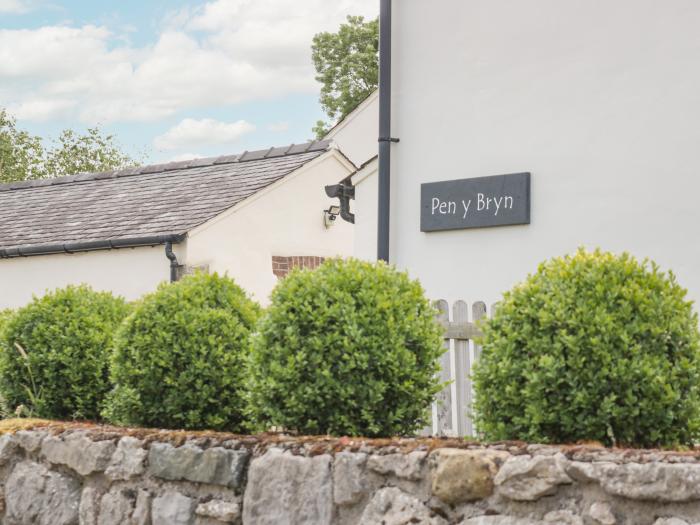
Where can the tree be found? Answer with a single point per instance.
(347, 66)
(24, 157)
(87, 153)
(21, 154)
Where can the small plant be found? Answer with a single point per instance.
(349, 348)
(55, 353)
(179, 357)
(592, 346)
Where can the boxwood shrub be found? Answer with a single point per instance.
(54, 353)
(349, 348)
(593, 346)
(179, 357)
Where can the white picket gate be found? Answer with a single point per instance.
(452, 407)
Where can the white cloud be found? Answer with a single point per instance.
(41, 109)
(185, 156)
(13, 7)
(223, 53)
(204, 132)
(278, 127)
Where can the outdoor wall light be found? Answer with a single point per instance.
(330, 215)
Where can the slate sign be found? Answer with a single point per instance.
(480, 202)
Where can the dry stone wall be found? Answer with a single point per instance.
(94, 475)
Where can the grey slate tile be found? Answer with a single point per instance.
(164, 199)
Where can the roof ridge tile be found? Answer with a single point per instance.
(259, 155)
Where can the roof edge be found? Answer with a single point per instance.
(90, 246)
(246, 156)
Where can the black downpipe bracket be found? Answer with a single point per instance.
(174, 265)
(385, 138)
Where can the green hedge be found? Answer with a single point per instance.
(592, 346)
(179, 357)
(54, 353)
(349, 348)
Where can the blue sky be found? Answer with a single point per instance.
(174, 79)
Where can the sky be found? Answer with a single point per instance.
(171, 79)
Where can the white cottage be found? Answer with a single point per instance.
(253, 216)
(598, 101)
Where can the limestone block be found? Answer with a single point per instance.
(79, 452)
(116, 507)
(406, 466)
(601, 513)
(500, 520)
(562, 517)
(662, 482)
(284, 489)
(35, 495)
(127, 460)
(142, 510)
(392, 506)
(172, 508)
(350, 481)
(8, 448)
(89, 506)
(224, 511)
(30, 440)
(218, 466)
(527, 478)
(459, 475)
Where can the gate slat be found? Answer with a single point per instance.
(463, 386)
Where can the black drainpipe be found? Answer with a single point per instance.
(385, 138)
(174, 265)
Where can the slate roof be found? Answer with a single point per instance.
(114, 208)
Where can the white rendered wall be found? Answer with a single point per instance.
(128, 272)
(365, 209)
(285, 219)
(599, 99)
(357, 134)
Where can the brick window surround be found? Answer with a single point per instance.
(281, 266)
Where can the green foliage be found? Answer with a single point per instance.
(54, 353)
(593, 346)
(24, 157)
(90, 152)
(349, 348)
(179, 358)
(347, 66)
(20, 153)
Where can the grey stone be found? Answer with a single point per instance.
(500, 520)
(79, 452)
(142, 509)
(89, 505)
(406, 466)
(563, 517)
(30, 440)
(527, 478)
(225, 511)
(287, 489)
(350, 482)
(392, 506)
(459, 475)
(116, 507)
(8, 447)
(37, 496)
(601, 513)
(217, 465)
(172, 508)
(651, 481)
(670, 521)
(127, 460)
